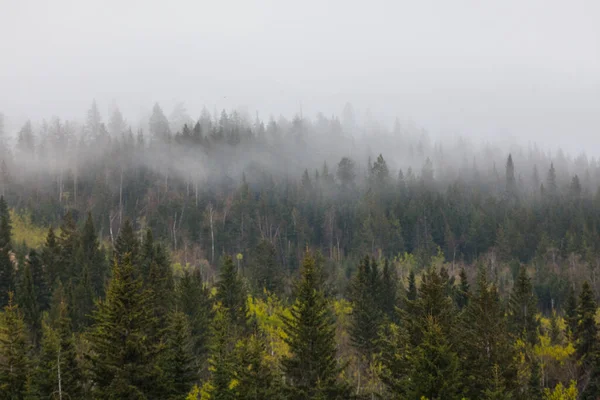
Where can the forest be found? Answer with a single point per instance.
(328, 258)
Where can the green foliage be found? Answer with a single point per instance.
(312, 368)
(122, 352)
(14, 352)
(231, 293)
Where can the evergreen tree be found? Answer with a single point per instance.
(122, 352)
(177, 359)
(586, 332)
(266, 272)
(127, 243)
(523, 308)
(367, 315)
(411, 293)
(232, 294)
(51, 257)
(69, 259)
(93, 257)
(58, 361)
(221, 360)
(462, 294)
(14, 353)
(7, 272)
(486, 344)
(161, 286)
(256, 377)
(40, 281)
(436, 370)
(571, 312)
(194, 301)
(389, 290)
(311, 368)
(511, 182)
(29, 304)
(535, 382)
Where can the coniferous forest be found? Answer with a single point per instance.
(234, 258)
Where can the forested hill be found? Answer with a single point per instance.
(233, 259)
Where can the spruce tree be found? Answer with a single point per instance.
(122, 352)
(29, 305)
(462, 294)
(58, 361)
(485, 343)
(256, 376)
(311, 368)
(367, 315)
(232, 294)
(411, 293)
(177, 360)
(14, 353)
(93, 257)
(7, 270)
(194, 301)
(523, 308)
(51, 257)
(69, 262)
(389, 290)
(571, 312)
(222, 360)
(266, 272)
(435, 370)
(40, 280)
(535, 382)
(586, 338)
(161, 286)
(127, 243)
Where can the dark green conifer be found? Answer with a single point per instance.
(122, 351)
(232, 294)
(312, 370)
(523, 308)
(177, 360)
(14, 352)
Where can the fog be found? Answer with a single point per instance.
(494, 71)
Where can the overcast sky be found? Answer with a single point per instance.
(522, 69)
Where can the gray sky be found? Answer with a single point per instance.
(522, 69)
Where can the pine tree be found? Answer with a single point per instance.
(7, 271)
(436, 370)
(486, 344)
(266, 272)
(40, 280)
(511, 182)
(411, 294)
(523, 308)
(194, 301)
(256, 377)
(93, 257)
(462, 294)
(14, 350)
(232, 294)
(222, 359)
(58, 361)
(122, 352)
(586, 338)
(69, 243)
(555, 332)
(535, 382)
(571, 312)
(127, 243)
(29, 305)
(177, 359)
(389, 290)
(367, 315)
(147, 254)
(161, 286)
(311, 368)
(51, 257)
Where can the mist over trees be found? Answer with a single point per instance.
(227, 257)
